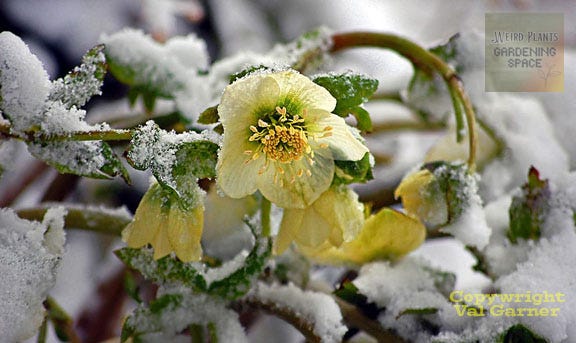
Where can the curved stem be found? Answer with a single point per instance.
(423, 60)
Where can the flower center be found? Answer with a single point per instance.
(284, 138)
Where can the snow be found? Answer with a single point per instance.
(550, 267)
(170, 69)
(25, 83)
(227, 268)
(407, 285)
(317, 308)
(194, 308)
(30, 253)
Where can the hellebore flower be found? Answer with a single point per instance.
(281, 138)
(334, 218)
(387, 235)
(164, 222)
(422, 197)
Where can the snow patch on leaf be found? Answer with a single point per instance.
(24, 84)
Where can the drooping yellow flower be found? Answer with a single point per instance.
(422, 197)
(162, 221)
(334, 218)
(281, 138)
(387, 235)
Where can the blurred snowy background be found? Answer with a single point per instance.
(60, 31)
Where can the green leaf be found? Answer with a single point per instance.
(131, 287)
(350, 90)
(80, 158)
(443, 281)
(209, 116)
(240, 281)
(348, 172)
(417, 311)
(165, 303)
(528, 210)
(166, 269)
(176, 160)
(246, 72)
(363, 121)
(520, 334)
(85, 81)
(196, 158)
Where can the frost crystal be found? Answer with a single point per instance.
(30, 253)
(24, 84)
(316, 308)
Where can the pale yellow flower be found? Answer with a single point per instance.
(387, 235)
(422, 197)
(334, 218)
(162, 221)
(281, 138)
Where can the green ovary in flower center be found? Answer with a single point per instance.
(283, 137)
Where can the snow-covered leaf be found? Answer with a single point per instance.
(175, 310)
(24, 84)
(176, 160)
(90, 159)
(229, 281)
(350, 91)
(76, 88)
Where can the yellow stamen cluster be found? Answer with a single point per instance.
(283, 137)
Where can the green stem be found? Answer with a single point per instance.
(265, 207)
(90, 219)
(63, 323)
(423, 60)
(406, 125)
(37, 136)
(43, 332)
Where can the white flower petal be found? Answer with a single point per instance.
(246, 99)
(299, 89)
(237, 178)
(343, 144)
(300, 183)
